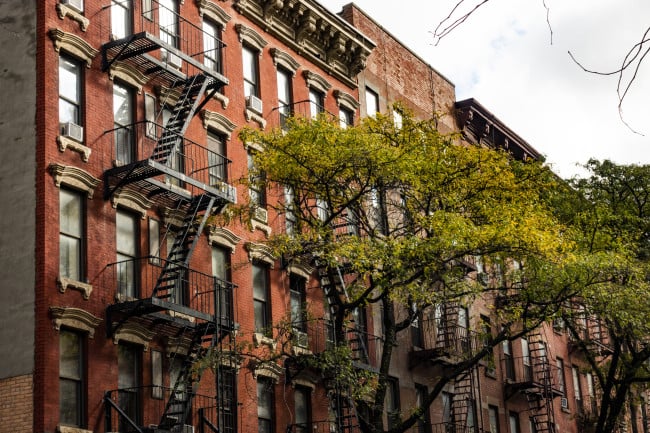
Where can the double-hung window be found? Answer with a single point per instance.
(256, 189)
(71, 378)
(129, 382)
(561, 382)
(346, 117)
(127, 249)
(227, 399)
(392, 402)
(424, 422)
(121, 18)
(316, 102)
(285, 99)
(513, 420)
(372, 103)
(216, 158)
(250, 59)
(265, 405)
(302, 402)
(168, 19)
(123, 123)
(493, 419)
(261, 303)
(71, 239)
(298, 297)
(577, 389)
(70, 79)
(221, 270)
(211, 46)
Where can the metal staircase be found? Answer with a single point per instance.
(462, 399)
(540, 398)
(179, 256)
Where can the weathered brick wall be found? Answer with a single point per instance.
(16, 404)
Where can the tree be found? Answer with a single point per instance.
(398, 220)
(610, 321)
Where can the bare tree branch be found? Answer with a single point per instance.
(443, 28)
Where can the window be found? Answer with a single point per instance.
(592, 393)
(346, 117)
(493, 417)
(176, 383)
(360, 319)
(397, 119)
(71, 240)
(156, 375)
(532, 425)
(302, 401)
(168, 19)
(376, 210)
(71, 378)
(472, 426)
(154, 241)
(486, 340)
(298, 297)
(265, 409)
(577, 389)
(216, 158)
(127, 249)
(392, 402)
(417, 339)
(212, 46)
(121, 25)
(122, 122)
(128, 378)
(70, 79)
(316, 102)
(227, 399)
(221, 270)
(424, 422)
(261, 298)
(372, 102)
(447, 415)
(561, 382)
(508, 359)
(285, 99)
(251, 71)
(513, 420)
(256, 189)
(289, 214)
(525, 355)
(322, 209)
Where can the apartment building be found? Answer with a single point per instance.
(120, 124)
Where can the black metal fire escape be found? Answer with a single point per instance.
(540, 396)
(146, 175)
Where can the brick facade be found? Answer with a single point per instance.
(16, 404)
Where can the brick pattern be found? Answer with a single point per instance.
(16, 404)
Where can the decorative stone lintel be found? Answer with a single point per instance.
(178, 345)
(259, 225)
(128, 74)
(301, 269)
(223, 237)
(72, 144)
(64, 10)
(316, 81)
(254, 146)
(74, 177)
(168, 96)
(134, 333)
(346, 100)
(213, 12)
(131, 200)
(68, 429)
(73, 44)
(260, 252)
(267, 369)
(173, 217)
(280, 58)
(251, 37)
(218, 122)
(68, 283)
(74, 318)
(251, 115)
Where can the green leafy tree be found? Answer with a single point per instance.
(401, 214)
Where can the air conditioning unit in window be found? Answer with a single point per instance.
(564, 403)
(254, 103)
(260, 214)
(300, 339)
(77, 5)
(72, 130)
(172, 59)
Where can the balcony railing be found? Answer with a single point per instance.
(196, 294)
(160, 27)
(191, 164)
(527, 372)
(136, 409)
(434, 339)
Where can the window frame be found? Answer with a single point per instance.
(125, 19)
(257, 195)
(392, 402)
(124, 139)
(561, 379)
(284, 80)
(79, 237)
(77, 101)
(424, 422)
(493, 419)
(212, 32)
(131, 289)
(265, 391)
(346, 117)
(513, 422)
(79, 380)
(261, 305)
(316, 102)
(217, 159)
(221, 270)
(303, 392)
(298, 302)
(170, 32)
(371, 96)
(251, 78)
(132, 392)
(227, 399)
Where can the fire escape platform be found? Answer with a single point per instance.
(531, 387)
(133, 48)
(140, 175)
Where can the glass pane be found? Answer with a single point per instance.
(210, 46)
(260, 315)
(68, 112)
(126, 234)
(120, 18)
(284, 91)
(127, 367)
(264, 399)
(69, 402)
(69, 80)
(250, 65)
(301, 404)
(69, 257)
(219, 263)
(122, 105)
(260, 283)
(69, 355)
(168, 22)
(70, 213)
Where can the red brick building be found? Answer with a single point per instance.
(120, 126)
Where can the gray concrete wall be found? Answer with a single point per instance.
(17, 185)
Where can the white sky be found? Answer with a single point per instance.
(502, 56)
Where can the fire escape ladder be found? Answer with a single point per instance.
(182, 113)
(345, 410)
(446, 337)
(179, 256)
(179, 404)
(462, 398)
(540, 399)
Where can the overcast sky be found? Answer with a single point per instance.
(503, 57)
